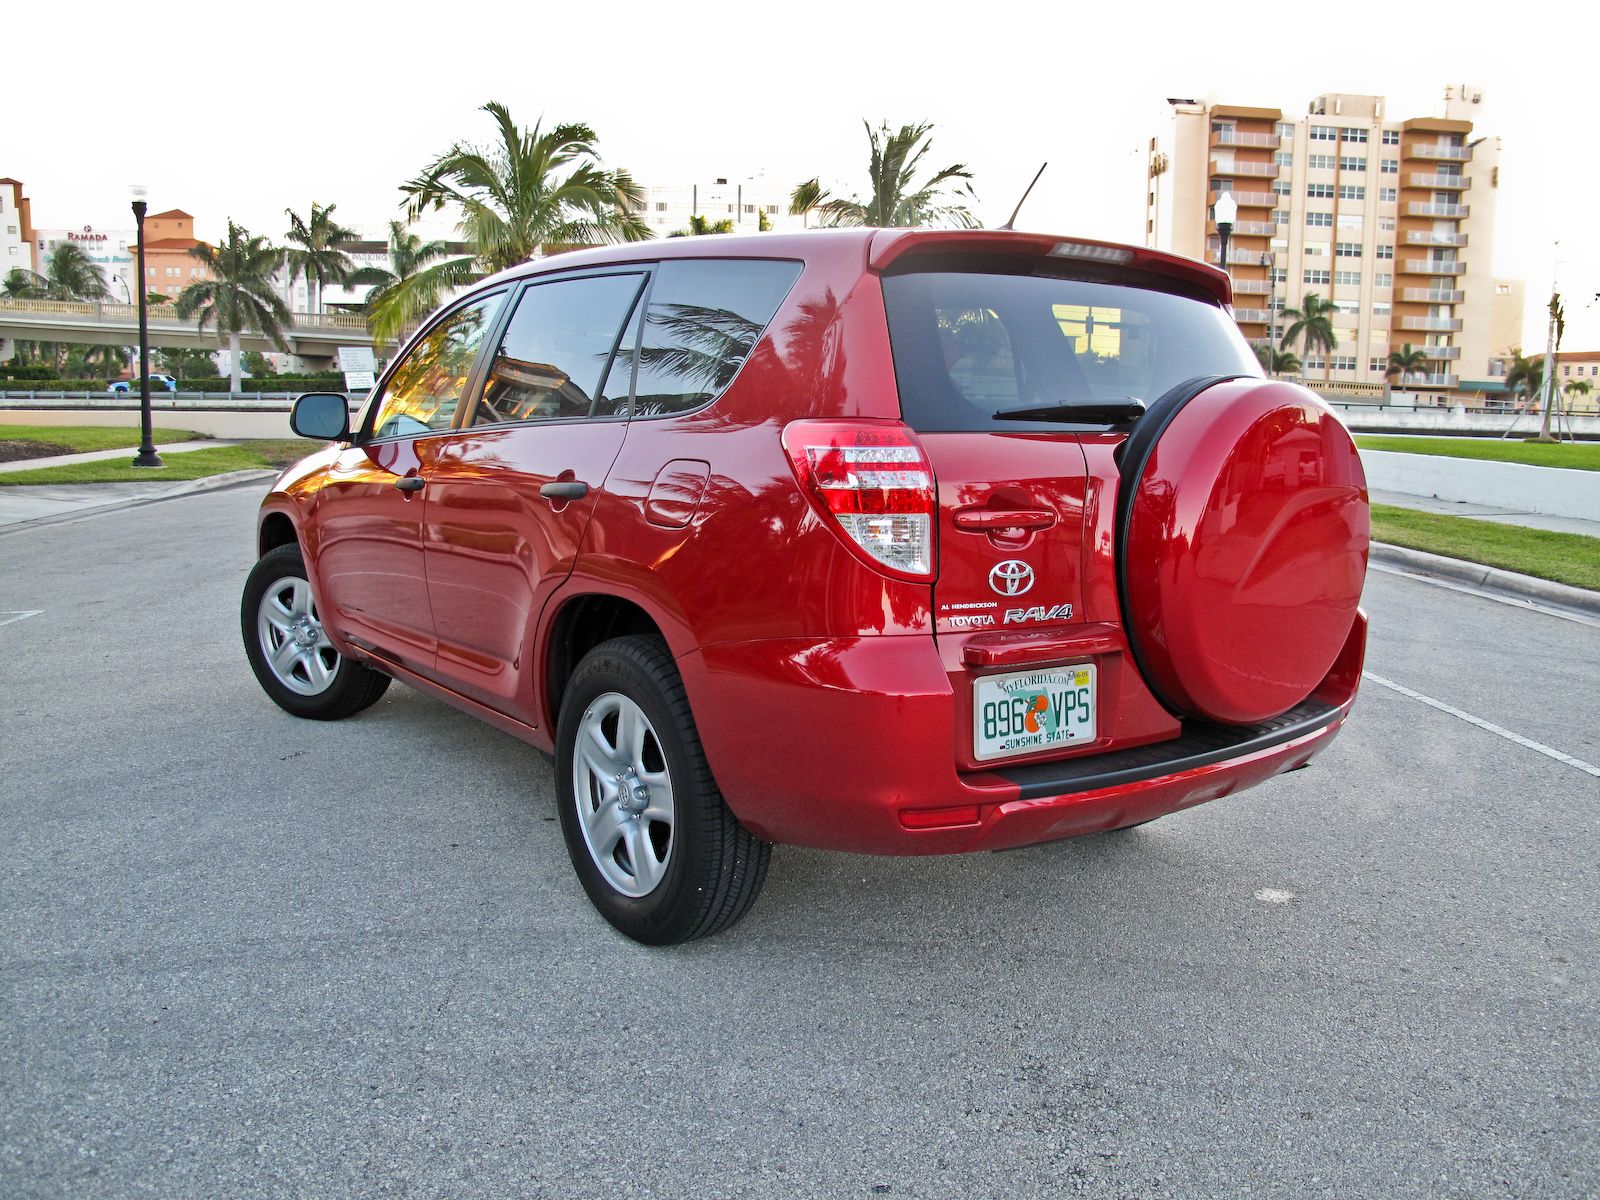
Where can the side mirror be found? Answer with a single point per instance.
(324, 416)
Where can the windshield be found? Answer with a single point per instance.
(968, 345)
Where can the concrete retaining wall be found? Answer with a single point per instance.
(1552, 490)
(250, 418)
(1376, 418)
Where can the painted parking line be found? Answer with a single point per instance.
(1490, 726)
(7, 617)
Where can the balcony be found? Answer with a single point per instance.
(1428, 266)
(1417, 208)
(1458, 182)
(1251, 170)
(1252, 316)
(1434, 381)
(1238, 256)
(1248, 199)
(1438, 153)
(1432, 324)
(1230, 137)
(1429, 237)
(1426, 295)
(1252, 287)
(1440, 352)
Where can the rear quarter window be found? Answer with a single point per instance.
(970, 344)
(704, 318)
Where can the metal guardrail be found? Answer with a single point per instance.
(102, 311)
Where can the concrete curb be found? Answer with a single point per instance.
(1491, 579)
(189, 487)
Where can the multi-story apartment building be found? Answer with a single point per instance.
(16, 228)
(1579, 366)
(111, 249)
(745, 202)
(1391, 220)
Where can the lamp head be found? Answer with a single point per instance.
(1226, 209)
(137, 193)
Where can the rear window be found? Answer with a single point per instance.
(968, 345)
(705, 317)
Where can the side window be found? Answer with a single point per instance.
(704, 318)
(556, 350)
(423, 393)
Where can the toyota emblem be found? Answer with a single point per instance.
(1011, 578)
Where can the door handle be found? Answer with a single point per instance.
(570, 489)
(411, 483)
(994, 519)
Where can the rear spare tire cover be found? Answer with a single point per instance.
(1242, 546)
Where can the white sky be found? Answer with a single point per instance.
(246, 115)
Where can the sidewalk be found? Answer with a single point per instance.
(1487, 512)
(67, 460)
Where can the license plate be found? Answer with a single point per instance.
(1028, 711)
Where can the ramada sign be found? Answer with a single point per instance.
(88, 235)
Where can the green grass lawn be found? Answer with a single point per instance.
(84, 438)
(190, 464)
(1580, 456)
(1564, 557)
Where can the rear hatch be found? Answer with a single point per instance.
(1007, 367)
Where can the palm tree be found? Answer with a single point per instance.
(315, 251)
(1576, 391)
(1525, 377)
(700, 226)
(71, 275)
(1312, 326)
(239, 296)
(1403, 362)
(23, 284)
(528, 190)
(1277, 362)
(408, 254)
(894, 200)
(1558, 326)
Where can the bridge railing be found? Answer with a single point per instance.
(107, 311)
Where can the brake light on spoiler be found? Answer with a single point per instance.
(873, 482)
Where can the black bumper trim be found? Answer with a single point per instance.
(1200, 745)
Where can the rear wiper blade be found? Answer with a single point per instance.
(1126, 408)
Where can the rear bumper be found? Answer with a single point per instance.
(833, 743)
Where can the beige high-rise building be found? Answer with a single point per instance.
(1389, 219)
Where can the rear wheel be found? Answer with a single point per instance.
(656, 848)
(289, 650)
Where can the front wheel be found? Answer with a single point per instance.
(288, 649)
(656, 848)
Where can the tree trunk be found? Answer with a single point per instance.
(234, 376)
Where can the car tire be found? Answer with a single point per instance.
(288, 649)
(654, 844)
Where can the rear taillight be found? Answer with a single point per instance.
(873, 480)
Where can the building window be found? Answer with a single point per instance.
(1347, 250)
(661, 206)
(1388, 195)
(1280, 274)
(750, 210)
(1343, 362)
(1320, 220)
(1350, 191)
(1385, 250)
(1324, 133)
(1280, 216)
(1319, 162)
(1347, 163)
(1284, 158)
(11, 228)
(1377, 365)
(1315, 364)
(1286, 129)
(1316, 250)
(1348, 278)
(1391, 137)
(1380, 310)
(1282, 187)
(1355, 135)
(1389, 166)
(1383, 280)
(1319, 191)
(1386, 224)
(772, 209)
(1321, 277)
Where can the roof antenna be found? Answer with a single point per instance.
(1020, 203)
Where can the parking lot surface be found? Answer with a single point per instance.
(245, 955)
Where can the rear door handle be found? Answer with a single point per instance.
(572, 489)
(411, 483)
(990, 519)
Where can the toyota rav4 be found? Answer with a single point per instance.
(897, 542)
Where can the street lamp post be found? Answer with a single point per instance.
(147, 456)
(1227, 211)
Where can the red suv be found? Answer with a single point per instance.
(897, 542)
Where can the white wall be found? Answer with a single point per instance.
(1550, 490)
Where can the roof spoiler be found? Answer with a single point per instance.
(889, 245)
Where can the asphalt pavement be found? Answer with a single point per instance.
(243, 955)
